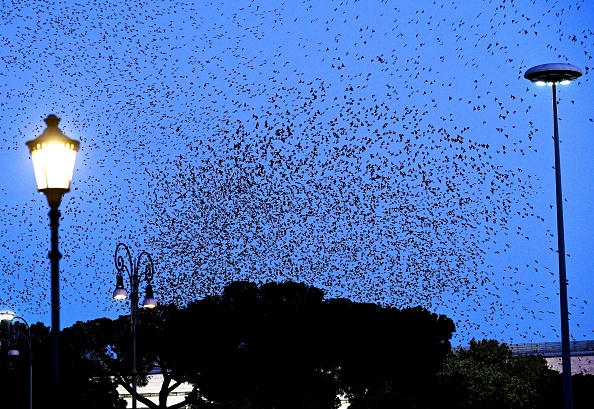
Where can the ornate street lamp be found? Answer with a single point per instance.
(16, 334)
(53, 155)
(143, 270)
(552, 74)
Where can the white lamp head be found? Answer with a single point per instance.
(120, 292)
(6, 315)
(149, 299)
(553, 73)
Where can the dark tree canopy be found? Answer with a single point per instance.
(285, 345)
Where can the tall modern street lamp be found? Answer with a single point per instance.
(552, 74)
(17, 334)
(53, 155)
(143, 270)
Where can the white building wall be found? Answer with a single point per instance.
(579, 364)
(151, 391)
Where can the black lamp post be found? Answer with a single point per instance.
(553, 74)
(17, 334)
(53, 155)
(143, 270)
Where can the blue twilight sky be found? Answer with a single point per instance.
(385, 152)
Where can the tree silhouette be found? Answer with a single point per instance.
(284, 345)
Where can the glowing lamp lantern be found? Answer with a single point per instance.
(53, 155)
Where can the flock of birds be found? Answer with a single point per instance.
(377, 152)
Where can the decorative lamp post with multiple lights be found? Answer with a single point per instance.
(16, 334)
(53, 155)
(143, 270)
(553, 74)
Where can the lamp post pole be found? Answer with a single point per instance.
(53, 155)
(143, 270)
(553, 74)
(17, 333)
(55, 256)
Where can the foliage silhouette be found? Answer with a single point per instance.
(283, 345)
